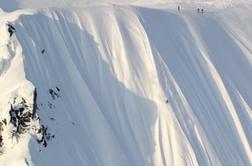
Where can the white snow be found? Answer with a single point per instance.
(139, 83)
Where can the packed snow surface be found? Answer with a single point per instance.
(133, 83)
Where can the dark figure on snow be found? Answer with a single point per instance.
(202, 11)
(178, 8)
(198, 10)
(11, 29)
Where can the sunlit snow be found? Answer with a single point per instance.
(128, 83)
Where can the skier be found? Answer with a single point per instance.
(178, 8)
(198, 10)
(202, 11)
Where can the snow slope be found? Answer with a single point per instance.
(11, 5)
(130, 85)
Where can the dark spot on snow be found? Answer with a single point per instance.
(43, 51)
(166, 101)
(51, 91)
(35, 107)
(43, 131)
(5, 122)
(23, 103)
(46, 136)
(11, 29)
(50, 105)
(26, 162)
(58, 89)
(1, 138)
(53, 94)
(1, 144)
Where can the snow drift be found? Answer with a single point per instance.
(126, 85)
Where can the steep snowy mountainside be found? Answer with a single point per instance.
(18, 116)
(124, 85)
(209, 49)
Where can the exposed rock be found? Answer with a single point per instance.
(58, 89)
(11, 29)
(53, 94)
(43, 51)
(1, 137)
(46, 136)
(23, 118)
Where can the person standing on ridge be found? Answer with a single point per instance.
(178, 8)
